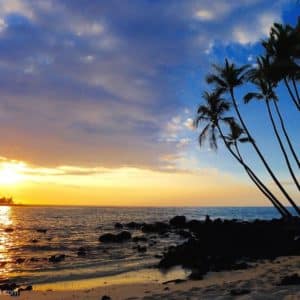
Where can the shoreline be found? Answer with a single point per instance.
(260, 281)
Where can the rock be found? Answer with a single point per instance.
(57, 258)
(115, 238)
(134, 225)
(34, 259)
(8, 229)
(81, 251)
(41, 230)
(141, 248)
(239, 292)
(34, 241)
(20, 260)
(139, 239)
(184, 233)
(118, 226)
(178, 221)
(157, 227)
(196, 275)
(207, 220)
(290, 280)
(105, 297)
(8, 286)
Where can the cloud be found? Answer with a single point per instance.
(90, 84)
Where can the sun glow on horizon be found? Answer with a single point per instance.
(11, 173)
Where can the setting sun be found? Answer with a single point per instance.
(11, 173)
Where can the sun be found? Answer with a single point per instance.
(11, 173)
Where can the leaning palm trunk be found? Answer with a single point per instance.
(286, 134)
(260, 185)
(281, 145)
(291, 93)
(277, 182)
(296, 90)
(281, 209)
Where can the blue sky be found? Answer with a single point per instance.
(114, 84)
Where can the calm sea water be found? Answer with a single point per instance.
(24, 252)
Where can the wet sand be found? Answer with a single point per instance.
(260, 280)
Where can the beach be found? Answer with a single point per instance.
(258, 282)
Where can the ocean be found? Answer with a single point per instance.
(25, 249)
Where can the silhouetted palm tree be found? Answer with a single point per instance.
(236, 136)
(267, 94)
(282, 47)
(226, 79)
(212, 113)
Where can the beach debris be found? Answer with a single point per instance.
(20, 260)
(34, 241)
(239, 292)
(27, 288)
(41, 230)
(9, 229)
(178, 221)
(290, 280)
(57, 258)
(105, 297)
(81, 251)
(115, 238)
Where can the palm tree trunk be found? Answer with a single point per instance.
(281, 209)
(296, 90)
(260, 185)
(282, 189)
(281, 146)
(286, 134)
(291, 93)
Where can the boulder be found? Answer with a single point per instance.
(115, 238)
(178, 221)
(57, 258)
(81, 251)
(118, 226)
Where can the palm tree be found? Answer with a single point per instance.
(213, 113)
(226, 79)
(236, 136)
(266, 92)
(282, 47)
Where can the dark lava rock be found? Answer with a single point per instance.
(290, 280)
(139, 239)
(81, 251)
(8, 286)
(41, 230)
(178, 221)
(115, 238)
(105, 297)
(118, 226)
(134, 225)
(8, 229)
(57, 258)
(20, 260)
(239, 292)
(196, 275)
(157, 227)
(184, 233)
(141, 249)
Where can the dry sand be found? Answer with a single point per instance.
(261, 279)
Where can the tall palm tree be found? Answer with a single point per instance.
(213, 113)
(232, 139)
(226, 79)
(266, 70)
(267, 94)
(282, 47)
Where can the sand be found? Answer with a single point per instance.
(261, 280)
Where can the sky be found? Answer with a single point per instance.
(97, 100)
